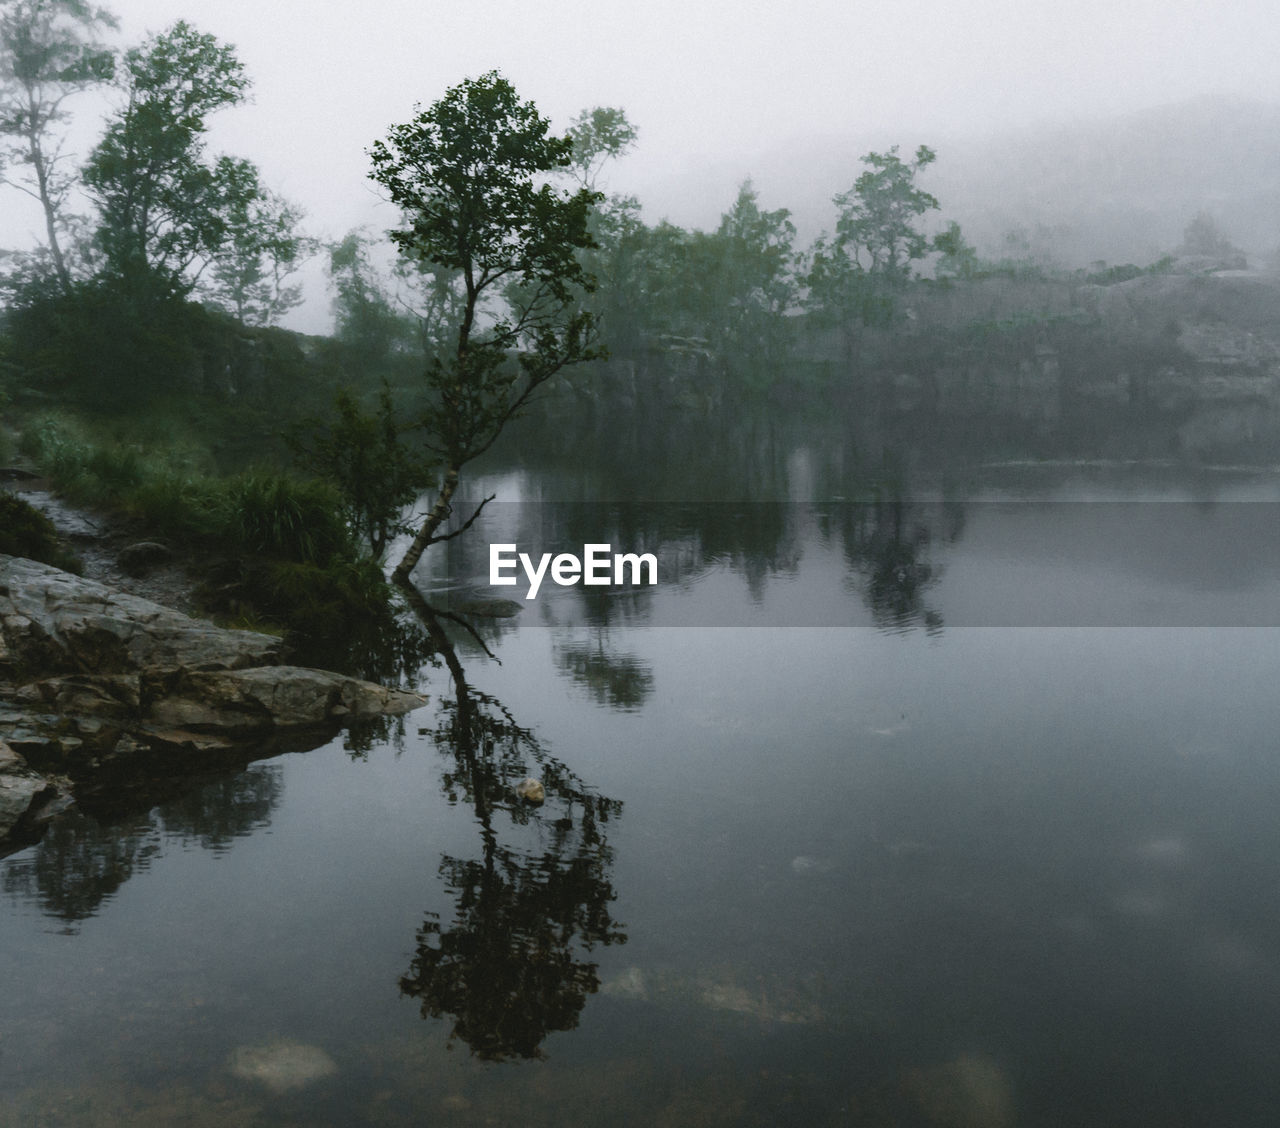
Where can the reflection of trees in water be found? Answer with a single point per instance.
(890, 549)
(510, 966)
(887, 547)
(507, 968)
(227, 809)
(82, 860)
(620, 681)
(80, 863)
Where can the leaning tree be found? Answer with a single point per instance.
(472, 178)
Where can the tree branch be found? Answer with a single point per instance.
(471, 521)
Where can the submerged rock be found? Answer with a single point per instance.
(282, 1066)
(970, 1092)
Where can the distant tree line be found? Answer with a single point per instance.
(512, 269)
(152, 222)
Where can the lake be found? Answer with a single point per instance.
(942, 803)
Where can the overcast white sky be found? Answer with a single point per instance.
(708, 82)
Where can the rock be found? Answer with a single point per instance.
(52, 622)
(109, 695)
(282, 1066)
(20, 787)
(627, 984)
(102, 675)
(970, 1092)
(271, 697)
(531, 791)
(138, 559)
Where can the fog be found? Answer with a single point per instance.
(1036, 109)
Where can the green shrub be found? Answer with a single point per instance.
(91, 346)
(289, 518)
(340, 615)
(25, 531)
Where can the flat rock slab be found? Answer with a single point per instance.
(52, 622)
(272, 696)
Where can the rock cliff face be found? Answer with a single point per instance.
(91, 676)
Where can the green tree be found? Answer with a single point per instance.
(362, 455)
(49, 51)
(877, 223)
(1203, 236)
(262, 248)
(857, 276)
(753, 265)
(599, 135)
(364, 307)
(164, 206)
(957, 257)
(470, 175)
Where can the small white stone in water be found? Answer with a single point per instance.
(282, 1066)
(531, 790)
(806, 865)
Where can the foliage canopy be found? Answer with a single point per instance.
(472, 177)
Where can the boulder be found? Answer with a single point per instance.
(19, 788)
(138, 559)
(52, 622)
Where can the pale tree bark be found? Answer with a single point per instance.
(426, 535)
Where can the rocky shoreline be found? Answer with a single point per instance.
(94, 680)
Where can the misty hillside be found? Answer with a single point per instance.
(1123, 189)
(1120, 189)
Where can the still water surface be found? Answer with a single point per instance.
(951, 811)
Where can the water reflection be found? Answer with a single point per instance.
(619, 681)
(88, 853)
(888, 550)
(890, 553)
(510, 967)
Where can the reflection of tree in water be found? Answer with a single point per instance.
(82, 860)
(80, 863)
(509, 967)
(887, 548)
(620, 681)
(227, 809)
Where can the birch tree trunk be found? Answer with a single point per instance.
(439, 514)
